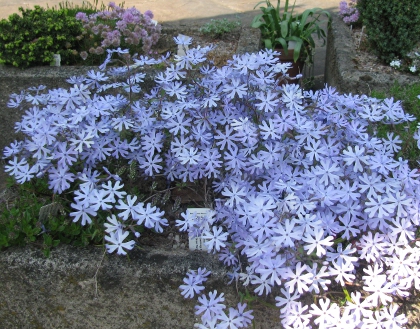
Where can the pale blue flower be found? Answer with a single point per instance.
(116, 242)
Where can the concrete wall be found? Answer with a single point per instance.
(139, 291)
(341, 71)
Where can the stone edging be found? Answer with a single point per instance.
(139, 291)
(340, 70)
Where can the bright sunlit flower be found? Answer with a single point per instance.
(396, 63)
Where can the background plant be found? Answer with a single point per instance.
(118, 27)
(278, 28)
(393, 27)
(216, 28)
(349, 12)
(308, 201)
(32, 38)
(86, 7)
(31, 214)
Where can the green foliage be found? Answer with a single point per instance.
(86, 7)
(31, 214)
(216, 28)
(411, 104)
(72, 9)
(33, 38)
(393, 27)
(278, 28)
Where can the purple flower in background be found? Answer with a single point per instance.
(148, 13)
(349, 12)
(82, 17)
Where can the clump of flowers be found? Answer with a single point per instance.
(396, 63)
(118, 27)
(410, 64)
(305, 192)
(349, 12)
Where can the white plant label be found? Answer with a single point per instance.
(198, 243)
(181, 51)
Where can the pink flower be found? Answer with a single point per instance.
(81, 17)
(84, 55)
(148, 13)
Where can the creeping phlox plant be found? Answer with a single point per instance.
(306, 195)
(119, 27)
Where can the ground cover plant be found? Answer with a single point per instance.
(409, 97)
(307, 200)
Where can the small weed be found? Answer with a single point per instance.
(216, 28)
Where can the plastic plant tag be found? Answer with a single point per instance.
(56, 60)
(51, 209)
(198, 243)
(182, 49)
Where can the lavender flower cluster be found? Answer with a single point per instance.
(307, 194)
(349, 12)
(119, 27)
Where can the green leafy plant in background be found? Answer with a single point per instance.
(217, 28)
(408, 95)
(115, 28)
(86, 7)
(280, 27)
(393, 27)
(72, 9)
(32, 38)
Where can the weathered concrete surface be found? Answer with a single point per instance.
(341, 71)
(139, 291)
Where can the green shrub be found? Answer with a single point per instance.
(216, 28)
(393, 27)
(33, 38)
